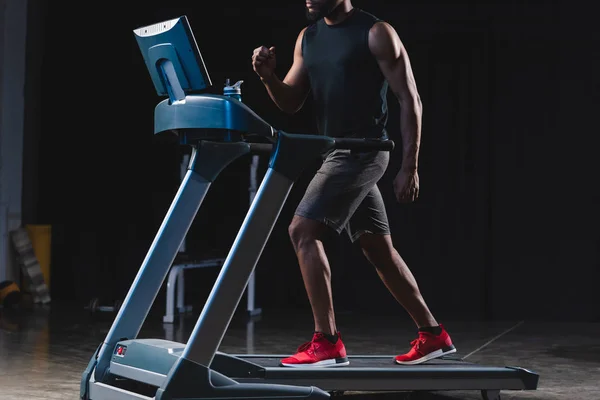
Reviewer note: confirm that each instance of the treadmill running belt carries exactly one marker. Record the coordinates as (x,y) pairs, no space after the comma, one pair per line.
(368,362)
(379,373)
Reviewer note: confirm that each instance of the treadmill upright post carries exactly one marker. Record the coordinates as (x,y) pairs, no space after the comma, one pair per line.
(290,156)
(207,161)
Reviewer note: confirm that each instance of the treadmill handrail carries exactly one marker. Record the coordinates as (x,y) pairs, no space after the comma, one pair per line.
(365,144)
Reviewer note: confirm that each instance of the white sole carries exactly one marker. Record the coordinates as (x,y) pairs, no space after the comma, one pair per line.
(430,356)
(319,364)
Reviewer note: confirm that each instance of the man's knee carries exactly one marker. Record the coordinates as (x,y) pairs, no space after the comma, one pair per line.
(303,230)
(376,247)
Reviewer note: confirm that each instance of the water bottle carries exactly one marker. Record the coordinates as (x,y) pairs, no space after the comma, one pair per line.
(234,90)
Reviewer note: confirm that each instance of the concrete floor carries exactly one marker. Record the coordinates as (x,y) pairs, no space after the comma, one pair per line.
(44,351)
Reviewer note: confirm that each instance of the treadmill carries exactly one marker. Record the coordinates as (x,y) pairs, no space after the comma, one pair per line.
(220,129)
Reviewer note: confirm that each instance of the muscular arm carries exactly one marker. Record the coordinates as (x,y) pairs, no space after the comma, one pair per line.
(388,50)
(290,94)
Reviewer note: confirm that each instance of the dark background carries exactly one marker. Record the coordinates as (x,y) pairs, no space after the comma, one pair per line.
(507,223)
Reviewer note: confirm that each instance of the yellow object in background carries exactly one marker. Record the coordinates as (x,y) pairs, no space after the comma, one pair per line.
(41,240)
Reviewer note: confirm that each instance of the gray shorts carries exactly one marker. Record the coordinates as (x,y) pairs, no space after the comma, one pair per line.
(344,195)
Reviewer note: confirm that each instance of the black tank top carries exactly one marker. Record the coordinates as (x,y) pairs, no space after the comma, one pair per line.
(348,88)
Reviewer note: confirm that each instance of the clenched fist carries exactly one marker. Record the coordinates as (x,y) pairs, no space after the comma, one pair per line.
(263,61)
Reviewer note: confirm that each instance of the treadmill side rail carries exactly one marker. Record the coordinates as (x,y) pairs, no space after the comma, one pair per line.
(233,366)
(410,378)
(530,378)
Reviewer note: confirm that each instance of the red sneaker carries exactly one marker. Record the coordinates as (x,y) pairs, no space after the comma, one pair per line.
(319,352)
(427,347)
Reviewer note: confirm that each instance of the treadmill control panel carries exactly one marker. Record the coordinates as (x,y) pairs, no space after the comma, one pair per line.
(120,350)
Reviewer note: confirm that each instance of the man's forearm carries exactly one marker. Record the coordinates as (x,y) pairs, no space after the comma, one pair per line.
(410,126)
(284,96)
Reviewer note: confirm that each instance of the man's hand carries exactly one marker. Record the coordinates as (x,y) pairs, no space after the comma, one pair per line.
(264,61)
(406,185)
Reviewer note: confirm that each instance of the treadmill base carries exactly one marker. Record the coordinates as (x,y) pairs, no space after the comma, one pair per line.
(364,374)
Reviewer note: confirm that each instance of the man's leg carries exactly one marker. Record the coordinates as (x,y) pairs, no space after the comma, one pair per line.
(326,348)
(369,226)
(306,235)
(331,198)
(396,276)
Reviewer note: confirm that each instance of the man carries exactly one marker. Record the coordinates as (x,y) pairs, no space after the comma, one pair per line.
(348,58)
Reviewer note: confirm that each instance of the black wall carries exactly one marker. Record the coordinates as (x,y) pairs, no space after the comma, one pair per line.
(506,226)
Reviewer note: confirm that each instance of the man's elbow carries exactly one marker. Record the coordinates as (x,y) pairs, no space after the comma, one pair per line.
(294,107)
(289,110)
(288,107)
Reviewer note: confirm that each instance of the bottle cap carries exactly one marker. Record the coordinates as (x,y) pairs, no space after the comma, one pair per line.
(232,89)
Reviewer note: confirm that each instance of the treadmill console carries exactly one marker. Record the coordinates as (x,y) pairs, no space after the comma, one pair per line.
(211,117)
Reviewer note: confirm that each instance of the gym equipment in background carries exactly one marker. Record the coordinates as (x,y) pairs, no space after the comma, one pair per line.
(10,294)
(94,306)
(30,265)
(175,296)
